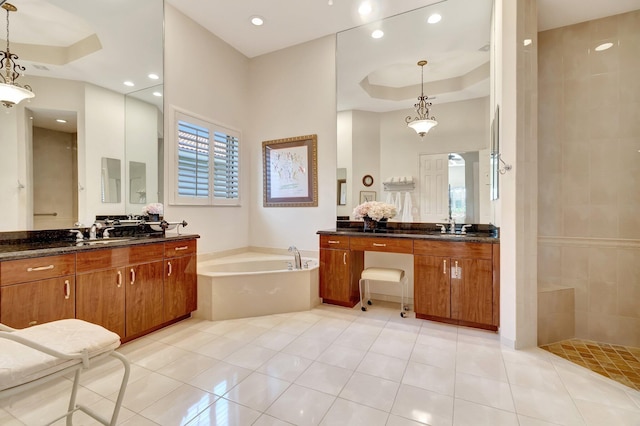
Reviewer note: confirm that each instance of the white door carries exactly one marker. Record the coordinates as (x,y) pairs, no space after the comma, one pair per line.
(434,187)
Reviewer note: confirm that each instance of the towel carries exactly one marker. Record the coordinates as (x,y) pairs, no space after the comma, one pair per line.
(398,204)
(389,199)
(408,207)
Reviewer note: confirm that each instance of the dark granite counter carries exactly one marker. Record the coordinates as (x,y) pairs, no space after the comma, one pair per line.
(477,233)
(24,248)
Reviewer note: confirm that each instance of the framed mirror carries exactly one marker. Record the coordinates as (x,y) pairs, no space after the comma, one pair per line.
(110,180)
(378,84)
(137,182)
(76,61)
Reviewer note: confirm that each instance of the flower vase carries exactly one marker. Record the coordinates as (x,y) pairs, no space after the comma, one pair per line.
(370,225)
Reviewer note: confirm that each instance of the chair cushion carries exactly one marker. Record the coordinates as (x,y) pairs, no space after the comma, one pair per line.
(21,364)
(383,274)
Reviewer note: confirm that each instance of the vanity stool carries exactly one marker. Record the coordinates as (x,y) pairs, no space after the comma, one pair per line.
(392,275)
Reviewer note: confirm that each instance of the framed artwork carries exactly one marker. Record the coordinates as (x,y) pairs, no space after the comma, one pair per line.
(367,196)
(290,172)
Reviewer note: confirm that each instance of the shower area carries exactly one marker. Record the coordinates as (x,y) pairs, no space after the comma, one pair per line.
(589,194)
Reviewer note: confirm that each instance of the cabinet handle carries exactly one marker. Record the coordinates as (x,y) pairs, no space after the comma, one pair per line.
(170,269)
(133,276)
(333,242)
(40,268)
(444,266)
(379,245)
(67,289)
(181,248)
(119,279)
(32,323)
(344,258)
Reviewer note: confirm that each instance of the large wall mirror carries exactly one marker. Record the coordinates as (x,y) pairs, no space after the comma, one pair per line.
(96,69)
(445,173)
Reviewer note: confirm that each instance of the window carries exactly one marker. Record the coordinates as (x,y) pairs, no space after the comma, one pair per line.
(207,163)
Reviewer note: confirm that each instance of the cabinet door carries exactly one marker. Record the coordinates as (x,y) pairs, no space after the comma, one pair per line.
(37,302)
(143,295)
(334,277)
(432,290)
(180,287)
(472,291)
(100,298)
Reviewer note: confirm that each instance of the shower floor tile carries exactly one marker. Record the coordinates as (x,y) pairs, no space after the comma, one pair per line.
(619,363)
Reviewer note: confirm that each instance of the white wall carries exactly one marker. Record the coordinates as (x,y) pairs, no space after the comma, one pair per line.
(293,94)
(207,77)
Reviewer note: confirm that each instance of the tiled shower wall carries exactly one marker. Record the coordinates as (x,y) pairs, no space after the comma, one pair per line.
(589,173)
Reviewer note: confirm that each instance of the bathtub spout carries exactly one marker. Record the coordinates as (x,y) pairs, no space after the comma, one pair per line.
(296,256)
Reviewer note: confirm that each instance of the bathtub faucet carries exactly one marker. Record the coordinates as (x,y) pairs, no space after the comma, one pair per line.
(296,256)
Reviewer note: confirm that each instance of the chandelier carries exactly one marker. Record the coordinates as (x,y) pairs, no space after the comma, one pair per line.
(11,93)
(422,123)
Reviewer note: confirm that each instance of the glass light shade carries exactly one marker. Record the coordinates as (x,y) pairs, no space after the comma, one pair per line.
(11,94)
(422,127)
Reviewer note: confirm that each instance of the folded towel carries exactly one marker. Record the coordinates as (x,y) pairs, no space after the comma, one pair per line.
(407,215)
(398,204)
(389,199)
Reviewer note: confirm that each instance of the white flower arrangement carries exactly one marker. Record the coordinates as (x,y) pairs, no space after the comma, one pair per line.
(376,210)
(153,208)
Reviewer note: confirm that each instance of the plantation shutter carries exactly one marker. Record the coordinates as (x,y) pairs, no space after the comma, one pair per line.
(193,160)
(225,166)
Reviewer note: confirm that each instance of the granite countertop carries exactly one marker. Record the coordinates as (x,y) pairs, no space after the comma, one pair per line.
(24,249)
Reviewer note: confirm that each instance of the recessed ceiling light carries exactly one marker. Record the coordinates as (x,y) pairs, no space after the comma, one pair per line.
(129,83)
(153,76)
(377,34)
(158,94)
(603,46)
(434,19)
(60,120)
(365,8)
(526,41)
(257,21)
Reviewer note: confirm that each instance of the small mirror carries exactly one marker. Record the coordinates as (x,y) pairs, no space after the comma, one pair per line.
(137,182)
(111,178)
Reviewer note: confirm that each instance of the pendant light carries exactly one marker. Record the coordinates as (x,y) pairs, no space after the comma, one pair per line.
(422,123)
(11,93)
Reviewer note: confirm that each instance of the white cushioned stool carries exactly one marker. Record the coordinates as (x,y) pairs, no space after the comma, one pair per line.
(384,274)
(38,354)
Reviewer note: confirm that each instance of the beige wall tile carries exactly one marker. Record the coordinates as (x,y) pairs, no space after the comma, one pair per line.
(604,28)
(603,297)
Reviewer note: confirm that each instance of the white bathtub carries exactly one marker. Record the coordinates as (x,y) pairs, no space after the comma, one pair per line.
(254,284)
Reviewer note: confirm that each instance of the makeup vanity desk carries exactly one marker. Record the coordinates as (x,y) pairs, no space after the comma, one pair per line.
(456,277)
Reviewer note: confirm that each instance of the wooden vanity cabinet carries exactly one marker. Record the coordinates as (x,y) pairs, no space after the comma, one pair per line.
(43,288)
(455,282)
(340,271)
(180,279)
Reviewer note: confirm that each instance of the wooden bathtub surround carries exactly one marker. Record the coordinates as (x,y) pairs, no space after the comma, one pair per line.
(455,281)
(130,290)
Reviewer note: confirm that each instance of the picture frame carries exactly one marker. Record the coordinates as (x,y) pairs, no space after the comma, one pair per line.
(290,172)
(367,196)
(342,192)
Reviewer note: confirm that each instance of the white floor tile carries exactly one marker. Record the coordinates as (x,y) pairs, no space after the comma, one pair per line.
(285,366)
(390,346)
(596,414)
(250,356)
(489,392)
(187,367)
(433,355)
(274,339)
(306,347)
(342,356)
(324,378)
(428,377)
(301,406)
(557,407)
(383,366)
(179,406)
(266,420)
(467,413)
(138,420)
(258,391)
(344,412)
(354,338)
(221,347)
(220,378)
(423,406)
(144,392)
(225,413)
(535,377)
(401,421)
(480,361)
(370,391)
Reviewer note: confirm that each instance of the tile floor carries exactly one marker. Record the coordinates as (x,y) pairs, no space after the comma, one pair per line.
(337,366)
(620,363)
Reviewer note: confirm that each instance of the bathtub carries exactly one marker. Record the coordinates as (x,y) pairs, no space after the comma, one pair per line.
(255,284)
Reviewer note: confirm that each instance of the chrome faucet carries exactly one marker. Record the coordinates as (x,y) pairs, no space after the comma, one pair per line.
(93,231)
(296,256)
(452,229)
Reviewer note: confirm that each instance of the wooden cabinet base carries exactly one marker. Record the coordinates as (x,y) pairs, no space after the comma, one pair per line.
(155,328)
(456,322)
(349,304)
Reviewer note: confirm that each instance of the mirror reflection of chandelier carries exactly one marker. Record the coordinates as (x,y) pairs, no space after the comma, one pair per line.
(11,93)
(422,123)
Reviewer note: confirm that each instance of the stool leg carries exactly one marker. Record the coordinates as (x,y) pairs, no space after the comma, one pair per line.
(368,294)
(361,299)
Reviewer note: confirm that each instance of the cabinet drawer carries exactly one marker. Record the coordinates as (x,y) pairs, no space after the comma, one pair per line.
(96,260)
(180,248)
(393,245)
(453,249)
(334,242)
(38,268)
